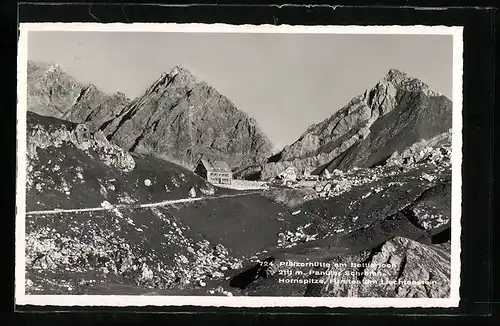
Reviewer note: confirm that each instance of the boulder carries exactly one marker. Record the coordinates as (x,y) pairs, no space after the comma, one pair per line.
(208,190)
(325,175)
(290,174)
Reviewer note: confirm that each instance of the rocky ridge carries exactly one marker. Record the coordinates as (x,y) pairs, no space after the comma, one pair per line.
(436,150)
(179,117)
(40,138)
(108,247)
(52,91)
(397,112)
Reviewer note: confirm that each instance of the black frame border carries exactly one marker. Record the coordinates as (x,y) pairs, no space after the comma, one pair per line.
(478,140)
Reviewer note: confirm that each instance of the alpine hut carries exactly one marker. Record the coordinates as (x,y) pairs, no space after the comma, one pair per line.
(215,172)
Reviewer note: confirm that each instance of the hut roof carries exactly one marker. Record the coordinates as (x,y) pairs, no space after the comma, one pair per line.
(215,166)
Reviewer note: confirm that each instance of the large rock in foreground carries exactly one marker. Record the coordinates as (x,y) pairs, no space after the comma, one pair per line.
(400,268)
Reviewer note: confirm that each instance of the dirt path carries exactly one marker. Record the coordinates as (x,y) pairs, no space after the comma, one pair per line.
(162,203)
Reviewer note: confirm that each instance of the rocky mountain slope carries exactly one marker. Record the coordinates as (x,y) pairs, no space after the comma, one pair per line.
(397,112)
(181,118)
(54,92)
(178,118)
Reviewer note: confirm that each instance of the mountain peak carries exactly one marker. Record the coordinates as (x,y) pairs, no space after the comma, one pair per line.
(181,117)
(401,79)
(53,68)
(396,76)
(180,69)
(122,95)
(45,67)
(179,75)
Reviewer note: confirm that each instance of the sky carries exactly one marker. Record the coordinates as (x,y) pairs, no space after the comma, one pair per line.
(287,82)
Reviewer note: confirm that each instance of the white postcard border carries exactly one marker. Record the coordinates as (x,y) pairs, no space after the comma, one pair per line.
(215,301)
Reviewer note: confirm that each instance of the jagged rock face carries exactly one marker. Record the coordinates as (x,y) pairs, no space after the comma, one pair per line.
(180,118)
(41,136)
(53,92)
(397,112)
(95,109)
(435,150)
(249,173)
(400,268)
